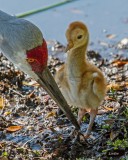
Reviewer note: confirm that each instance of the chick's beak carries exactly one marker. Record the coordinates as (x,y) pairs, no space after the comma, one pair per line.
(47,81)
(69,46)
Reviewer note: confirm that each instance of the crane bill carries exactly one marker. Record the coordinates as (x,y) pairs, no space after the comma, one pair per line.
(47,81)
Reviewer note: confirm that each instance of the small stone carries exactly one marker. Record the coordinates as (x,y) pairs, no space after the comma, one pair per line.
(123,44)
(114,70)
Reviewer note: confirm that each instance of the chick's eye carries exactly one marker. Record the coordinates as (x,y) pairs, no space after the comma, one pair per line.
(79,37)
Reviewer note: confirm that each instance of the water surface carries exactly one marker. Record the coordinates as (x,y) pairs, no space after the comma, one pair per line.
(102,18)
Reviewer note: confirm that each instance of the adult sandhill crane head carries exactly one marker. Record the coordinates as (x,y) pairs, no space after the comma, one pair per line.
(23,44)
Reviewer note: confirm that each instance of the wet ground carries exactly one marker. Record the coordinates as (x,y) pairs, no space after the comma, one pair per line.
(31,129)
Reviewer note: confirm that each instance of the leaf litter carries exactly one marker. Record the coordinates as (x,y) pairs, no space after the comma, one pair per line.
(31,127)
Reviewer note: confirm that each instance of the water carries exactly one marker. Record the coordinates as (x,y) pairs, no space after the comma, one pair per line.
(101,17)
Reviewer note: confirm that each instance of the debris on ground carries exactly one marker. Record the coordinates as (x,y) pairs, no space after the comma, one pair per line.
(32,129)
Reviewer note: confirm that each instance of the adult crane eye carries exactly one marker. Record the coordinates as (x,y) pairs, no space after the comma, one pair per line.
(79,37)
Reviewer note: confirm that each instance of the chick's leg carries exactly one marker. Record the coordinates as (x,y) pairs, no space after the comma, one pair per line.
(93,113)
(81,114)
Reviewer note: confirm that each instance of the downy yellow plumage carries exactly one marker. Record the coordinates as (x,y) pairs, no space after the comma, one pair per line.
(82,83)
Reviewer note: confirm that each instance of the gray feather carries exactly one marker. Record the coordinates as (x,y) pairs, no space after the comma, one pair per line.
(16,37)
(19,34)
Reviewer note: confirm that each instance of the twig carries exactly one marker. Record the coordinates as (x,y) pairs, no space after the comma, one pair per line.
(17,92)
(42,9)
(29,140)
(32,138)
(1,83)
